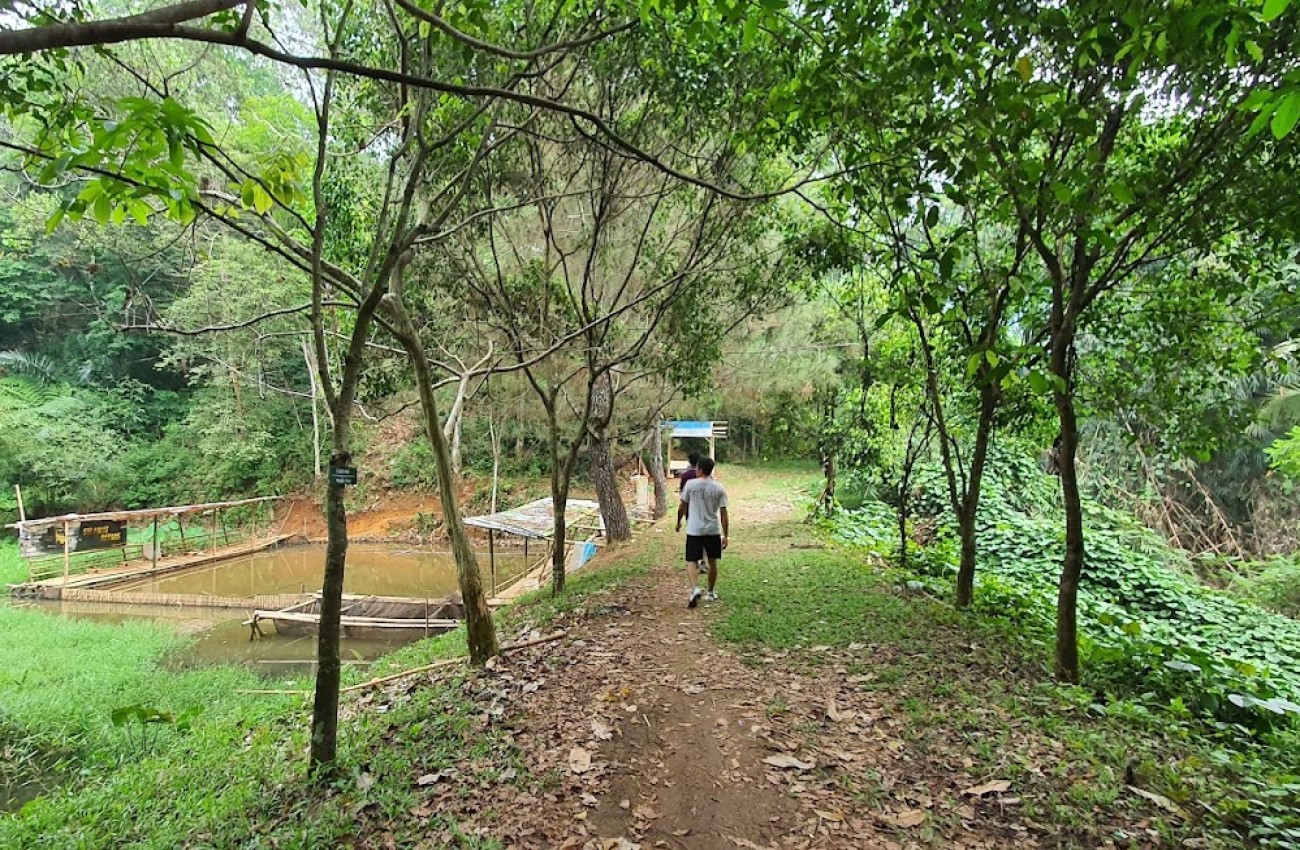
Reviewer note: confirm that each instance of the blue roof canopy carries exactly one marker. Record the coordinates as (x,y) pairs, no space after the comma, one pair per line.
(691,428)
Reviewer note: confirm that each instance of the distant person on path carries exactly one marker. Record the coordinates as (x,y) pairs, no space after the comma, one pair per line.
(704,507)
(691,472)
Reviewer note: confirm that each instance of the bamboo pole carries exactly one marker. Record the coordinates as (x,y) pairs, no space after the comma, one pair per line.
(143,513)
(445,662)
(492,559)
(154,565)
(67,550)
(22,514)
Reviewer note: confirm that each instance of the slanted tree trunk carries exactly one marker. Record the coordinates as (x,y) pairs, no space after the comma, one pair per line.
(480,631)
(656,466)
(455,447)
(315,412)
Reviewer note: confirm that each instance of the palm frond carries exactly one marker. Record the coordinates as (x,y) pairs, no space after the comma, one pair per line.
(36,367)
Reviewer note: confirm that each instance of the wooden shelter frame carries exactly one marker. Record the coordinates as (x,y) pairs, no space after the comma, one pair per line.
(691,429)
(30,527)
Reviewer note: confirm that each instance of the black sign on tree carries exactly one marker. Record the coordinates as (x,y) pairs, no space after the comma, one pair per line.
(343,475)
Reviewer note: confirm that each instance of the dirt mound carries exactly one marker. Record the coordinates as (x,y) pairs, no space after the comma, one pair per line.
(396,517)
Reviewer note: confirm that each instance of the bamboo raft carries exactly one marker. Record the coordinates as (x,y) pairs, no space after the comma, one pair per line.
(366,617)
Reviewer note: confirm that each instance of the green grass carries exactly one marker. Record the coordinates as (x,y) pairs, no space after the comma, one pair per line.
(793,598)
(236,778)
(975,687)
(12,568)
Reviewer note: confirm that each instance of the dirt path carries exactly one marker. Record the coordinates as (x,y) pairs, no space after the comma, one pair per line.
(647,732)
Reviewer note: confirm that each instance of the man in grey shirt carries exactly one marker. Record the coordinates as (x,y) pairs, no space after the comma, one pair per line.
(704,507)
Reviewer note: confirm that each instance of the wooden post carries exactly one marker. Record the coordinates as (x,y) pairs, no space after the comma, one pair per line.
(180,524)
(67,550)
(492,559)
(22,514)
(154,557)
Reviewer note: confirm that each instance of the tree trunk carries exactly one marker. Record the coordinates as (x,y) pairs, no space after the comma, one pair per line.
(968,516)
(1067,637)
(495,439)
(455,447)
(657,470)
(828,494)
(559,501)
(325,705)
(315,412)
(617,525)
(902,527)
(559,498)
(480,631)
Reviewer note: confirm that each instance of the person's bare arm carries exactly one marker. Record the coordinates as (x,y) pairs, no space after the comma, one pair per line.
(722,515)
(683,511)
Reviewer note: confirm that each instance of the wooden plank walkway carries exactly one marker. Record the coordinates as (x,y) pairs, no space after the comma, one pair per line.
(527,583)
(53,588)
(183,600)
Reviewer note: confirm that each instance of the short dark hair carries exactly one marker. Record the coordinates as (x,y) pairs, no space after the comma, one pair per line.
(706,466)
(693,458)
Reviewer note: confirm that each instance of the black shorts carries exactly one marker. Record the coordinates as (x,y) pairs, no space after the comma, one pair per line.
(699,545)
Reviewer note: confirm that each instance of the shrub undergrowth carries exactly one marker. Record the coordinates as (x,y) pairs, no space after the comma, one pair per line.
(1150,634)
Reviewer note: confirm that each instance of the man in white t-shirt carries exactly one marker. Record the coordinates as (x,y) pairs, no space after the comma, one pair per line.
(704,507)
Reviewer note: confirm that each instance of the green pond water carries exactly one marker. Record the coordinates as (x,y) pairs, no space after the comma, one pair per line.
(219,633)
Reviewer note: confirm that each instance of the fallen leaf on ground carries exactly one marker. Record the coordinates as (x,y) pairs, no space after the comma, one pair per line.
(692,690)
(645,812)
(789,762)
(619,844)
(833,710)
(429,778)
(681,833)
(590,799)
(600,731)
(835,816)
(365,781)
(744,842)
(1160,800)
(579,760)
(996,786)
(909,818)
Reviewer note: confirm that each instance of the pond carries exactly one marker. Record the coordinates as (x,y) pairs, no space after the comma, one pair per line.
(220,634)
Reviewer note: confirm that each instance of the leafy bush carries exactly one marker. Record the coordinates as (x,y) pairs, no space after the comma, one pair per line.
(1150,635)
(1147,627)
(412,467)
(1273,584)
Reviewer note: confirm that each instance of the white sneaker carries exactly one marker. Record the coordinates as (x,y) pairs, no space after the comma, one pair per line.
(694,599)
(710,596)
